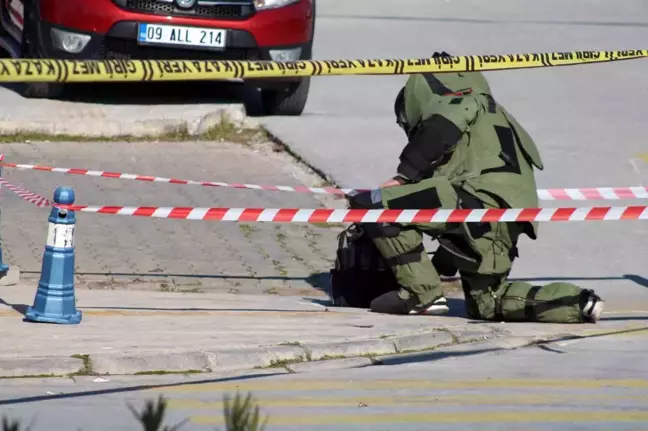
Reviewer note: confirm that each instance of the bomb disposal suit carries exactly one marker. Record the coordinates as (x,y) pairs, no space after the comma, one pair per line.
(464,151)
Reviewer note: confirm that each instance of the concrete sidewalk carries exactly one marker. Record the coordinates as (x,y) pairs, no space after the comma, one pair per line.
(129,332)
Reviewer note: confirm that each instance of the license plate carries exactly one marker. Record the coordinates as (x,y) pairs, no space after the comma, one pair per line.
(177,35)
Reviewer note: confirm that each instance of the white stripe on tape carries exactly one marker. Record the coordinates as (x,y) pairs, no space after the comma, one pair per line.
(197,213)
(232,214)
(608,193)
(639,192)
(268,214)
(511,214)
(303,215)
(614,214)
(580,214)
(575,194)
(162,212)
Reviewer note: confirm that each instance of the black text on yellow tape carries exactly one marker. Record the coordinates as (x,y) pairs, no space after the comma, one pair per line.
(37,70)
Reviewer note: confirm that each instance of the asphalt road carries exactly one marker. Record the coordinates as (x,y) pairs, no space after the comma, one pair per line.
(595,383)
(588,121)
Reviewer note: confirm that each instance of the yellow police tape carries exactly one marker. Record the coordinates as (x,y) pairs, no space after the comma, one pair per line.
(50,70)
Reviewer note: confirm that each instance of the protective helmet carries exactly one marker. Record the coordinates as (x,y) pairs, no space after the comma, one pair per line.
(413,98)
(399,103)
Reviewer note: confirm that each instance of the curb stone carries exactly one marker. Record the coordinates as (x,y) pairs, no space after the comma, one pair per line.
(333,364)
(213,360)
(11,277)
(109,128)
(299,358)
(45,366)
(347,349)
(423,341)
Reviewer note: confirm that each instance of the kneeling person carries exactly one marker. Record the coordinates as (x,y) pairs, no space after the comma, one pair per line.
(466,151)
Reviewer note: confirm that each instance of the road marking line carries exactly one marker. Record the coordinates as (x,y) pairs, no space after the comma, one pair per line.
(588,416)
(289,384)
(642,156)
(428,400)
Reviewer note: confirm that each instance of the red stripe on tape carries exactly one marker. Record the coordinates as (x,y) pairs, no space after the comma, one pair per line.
(179,212)
(175,181)
(322,215)
(250,214)
(598,213)
(591,194)
(631,213)
(215,213)
(78,171)
(111,174)
(383,218)
(285,214)
(144,211)
(562,214)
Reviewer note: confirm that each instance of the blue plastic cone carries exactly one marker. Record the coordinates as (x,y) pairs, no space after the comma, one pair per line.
(55,301)
(3,267)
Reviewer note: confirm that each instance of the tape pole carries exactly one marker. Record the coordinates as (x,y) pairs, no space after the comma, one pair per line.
(55,70)
(578,194)
(296,215)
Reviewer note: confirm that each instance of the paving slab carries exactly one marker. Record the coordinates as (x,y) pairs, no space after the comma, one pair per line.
(165,254)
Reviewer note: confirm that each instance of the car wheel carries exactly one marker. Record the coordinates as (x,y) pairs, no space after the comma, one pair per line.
(31,49)
(42,90)
(288,101)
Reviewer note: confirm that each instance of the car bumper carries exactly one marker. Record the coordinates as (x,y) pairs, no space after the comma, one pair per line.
(114,34)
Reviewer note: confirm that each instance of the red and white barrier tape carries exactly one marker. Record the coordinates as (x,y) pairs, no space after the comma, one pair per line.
(578,194)
(295,215)
(34,198)
(123,176)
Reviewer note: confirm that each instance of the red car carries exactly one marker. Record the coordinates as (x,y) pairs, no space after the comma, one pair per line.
(277,30)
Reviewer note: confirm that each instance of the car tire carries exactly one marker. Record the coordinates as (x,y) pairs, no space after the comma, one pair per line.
(42,90)
(290,101)
(31,49)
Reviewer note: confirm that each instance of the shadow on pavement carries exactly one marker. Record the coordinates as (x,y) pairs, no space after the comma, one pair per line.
(39,398)
(152,93)
(279,310)
(411,358)
(19,308)
(157,93)
(317,280)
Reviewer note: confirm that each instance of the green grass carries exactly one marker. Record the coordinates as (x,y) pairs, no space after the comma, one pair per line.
(225,131)
(86,370)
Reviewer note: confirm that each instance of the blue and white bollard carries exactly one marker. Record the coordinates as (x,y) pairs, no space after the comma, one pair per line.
(55,301)
(4,269)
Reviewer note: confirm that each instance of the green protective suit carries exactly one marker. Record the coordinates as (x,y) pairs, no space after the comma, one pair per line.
(483,159)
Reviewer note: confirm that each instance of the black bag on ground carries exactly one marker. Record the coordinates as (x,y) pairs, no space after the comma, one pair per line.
(361,273)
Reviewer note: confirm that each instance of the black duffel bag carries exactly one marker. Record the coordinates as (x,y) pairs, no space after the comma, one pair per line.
(361,274)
